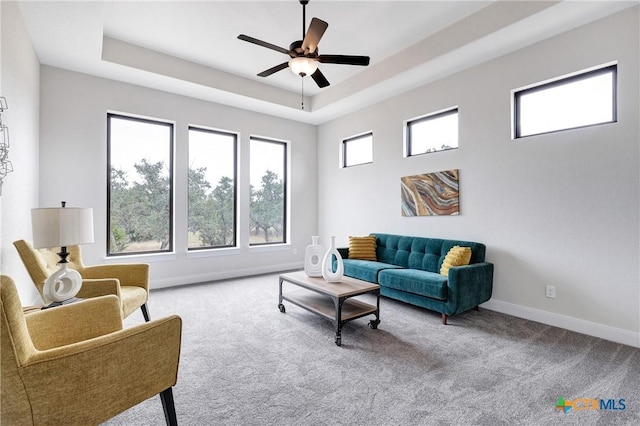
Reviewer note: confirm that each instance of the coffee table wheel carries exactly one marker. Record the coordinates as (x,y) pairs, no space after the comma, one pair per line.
(281,307)
(339,341)
(373,324)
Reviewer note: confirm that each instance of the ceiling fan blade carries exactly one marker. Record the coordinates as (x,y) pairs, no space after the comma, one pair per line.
(273,70)
(265,44)
(314,34)
(320,79)
(344,59)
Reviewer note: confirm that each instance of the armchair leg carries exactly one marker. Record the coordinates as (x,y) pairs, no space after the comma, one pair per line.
(444,319)
(166,396)
(145,312)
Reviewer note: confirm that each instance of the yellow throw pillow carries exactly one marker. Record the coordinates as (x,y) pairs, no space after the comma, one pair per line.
(363,248)
(457,256)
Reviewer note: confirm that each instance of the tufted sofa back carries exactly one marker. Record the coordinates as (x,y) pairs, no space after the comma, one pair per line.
(422,253)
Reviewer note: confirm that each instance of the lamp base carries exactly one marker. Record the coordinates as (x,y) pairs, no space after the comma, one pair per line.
(64,302)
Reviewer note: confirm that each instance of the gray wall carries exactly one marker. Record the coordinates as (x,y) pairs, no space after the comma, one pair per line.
(19,83)
(73,168)
(559,209)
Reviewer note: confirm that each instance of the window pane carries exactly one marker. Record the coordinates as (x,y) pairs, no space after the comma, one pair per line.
(268,191)
(433,133)
(140,185)
(570,103)
(358,150)
(212,189)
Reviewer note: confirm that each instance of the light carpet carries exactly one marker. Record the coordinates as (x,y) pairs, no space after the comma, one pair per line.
(244,362)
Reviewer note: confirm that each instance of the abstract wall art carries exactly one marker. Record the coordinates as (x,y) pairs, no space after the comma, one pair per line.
(431,194)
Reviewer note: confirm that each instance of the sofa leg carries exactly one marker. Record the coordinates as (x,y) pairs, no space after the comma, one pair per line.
(145,312)
(477,308)
(166,396)
(444,319)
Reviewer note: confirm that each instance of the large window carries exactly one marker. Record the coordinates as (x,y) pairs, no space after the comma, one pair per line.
(140,185)
(357,150)
(585,99)
(431,133)
(212,188)
(268,178)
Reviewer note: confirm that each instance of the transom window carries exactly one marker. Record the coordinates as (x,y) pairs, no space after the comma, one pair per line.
(431,133)
(584,99)
(357,150)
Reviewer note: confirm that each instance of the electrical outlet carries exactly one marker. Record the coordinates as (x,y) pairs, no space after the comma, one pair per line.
(550,291)
(295,251)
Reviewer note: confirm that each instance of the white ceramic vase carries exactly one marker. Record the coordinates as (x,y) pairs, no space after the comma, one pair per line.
(327,264)
(313,258)
(63,284)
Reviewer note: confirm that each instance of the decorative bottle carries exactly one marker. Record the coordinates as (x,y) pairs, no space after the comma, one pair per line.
(313,258)
(327,264)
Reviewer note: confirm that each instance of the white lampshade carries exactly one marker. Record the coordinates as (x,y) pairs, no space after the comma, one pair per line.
(61,226)
(303,66)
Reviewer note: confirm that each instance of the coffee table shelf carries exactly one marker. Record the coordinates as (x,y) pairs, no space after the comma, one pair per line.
(351,308)
(333,301)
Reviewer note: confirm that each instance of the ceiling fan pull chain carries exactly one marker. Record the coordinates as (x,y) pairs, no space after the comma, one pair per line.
(302,93)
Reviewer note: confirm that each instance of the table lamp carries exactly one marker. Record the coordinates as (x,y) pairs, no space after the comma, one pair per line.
(62,227)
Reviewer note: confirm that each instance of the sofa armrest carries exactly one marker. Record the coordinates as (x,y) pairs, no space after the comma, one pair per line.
(75,322)
(469,286)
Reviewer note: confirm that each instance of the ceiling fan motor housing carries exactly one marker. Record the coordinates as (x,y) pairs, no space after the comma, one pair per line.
(296,47)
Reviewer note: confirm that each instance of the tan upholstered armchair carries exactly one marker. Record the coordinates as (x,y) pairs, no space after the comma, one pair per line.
(76,365)
(130,282)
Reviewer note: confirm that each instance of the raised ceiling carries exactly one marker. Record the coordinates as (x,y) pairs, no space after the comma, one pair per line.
(191,47)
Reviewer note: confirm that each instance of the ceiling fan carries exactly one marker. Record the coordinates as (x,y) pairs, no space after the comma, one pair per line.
(304,53)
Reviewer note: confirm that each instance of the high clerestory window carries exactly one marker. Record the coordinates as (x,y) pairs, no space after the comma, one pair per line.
(140,185)
(357,150)
(583,99)
(433,132)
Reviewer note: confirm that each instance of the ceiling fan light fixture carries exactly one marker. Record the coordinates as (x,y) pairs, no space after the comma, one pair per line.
(303,66)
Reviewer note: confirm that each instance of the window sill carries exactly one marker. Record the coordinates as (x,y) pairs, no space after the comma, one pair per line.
(269,248)
(141,257)
(214,252)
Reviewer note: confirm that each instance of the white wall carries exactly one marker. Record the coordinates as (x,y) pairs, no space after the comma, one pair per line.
(559,209)
(73,168)
(20,77)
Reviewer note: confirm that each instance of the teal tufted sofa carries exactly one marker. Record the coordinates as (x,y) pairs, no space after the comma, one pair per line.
(408,269)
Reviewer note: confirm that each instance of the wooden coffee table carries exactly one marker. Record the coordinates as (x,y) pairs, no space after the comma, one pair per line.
(332,300)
